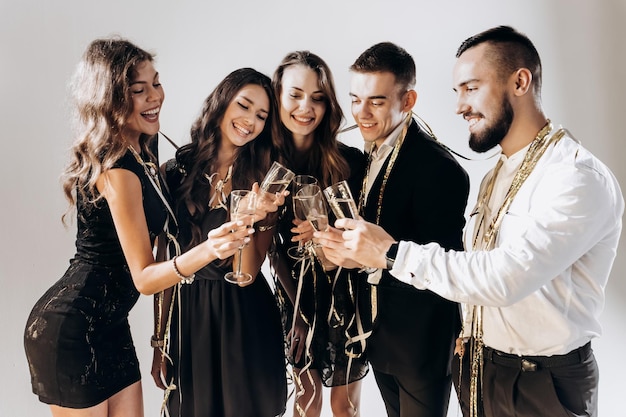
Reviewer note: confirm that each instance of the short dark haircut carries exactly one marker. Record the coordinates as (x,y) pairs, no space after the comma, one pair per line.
(509,50)
(388,57)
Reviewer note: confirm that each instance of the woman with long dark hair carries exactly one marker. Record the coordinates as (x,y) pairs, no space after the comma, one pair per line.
(225,338)
(305,139)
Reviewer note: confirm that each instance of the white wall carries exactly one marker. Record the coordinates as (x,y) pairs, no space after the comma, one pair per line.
(581,43)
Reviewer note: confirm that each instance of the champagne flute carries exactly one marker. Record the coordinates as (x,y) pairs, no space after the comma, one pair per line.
(242,207)
(298,182)
(340,200)
(315,207)
(276,180)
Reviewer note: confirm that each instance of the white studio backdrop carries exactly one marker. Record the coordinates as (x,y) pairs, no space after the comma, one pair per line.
(198,42)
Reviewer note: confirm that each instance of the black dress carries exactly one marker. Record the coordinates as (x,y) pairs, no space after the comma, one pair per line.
(77,338)
(327,301)
(226,340)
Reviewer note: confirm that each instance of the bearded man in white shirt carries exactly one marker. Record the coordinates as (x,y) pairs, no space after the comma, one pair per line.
(539,246)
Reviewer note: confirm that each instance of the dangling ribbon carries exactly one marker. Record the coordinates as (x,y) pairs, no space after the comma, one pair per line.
(221,197)
(306,263)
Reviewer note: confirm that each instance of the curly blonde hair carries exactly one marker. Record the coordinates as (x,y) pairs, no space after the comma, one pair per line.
(102,102)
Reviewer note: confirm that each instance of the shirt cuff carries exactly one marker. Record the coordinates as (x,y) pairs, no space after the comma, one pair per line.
(409,266)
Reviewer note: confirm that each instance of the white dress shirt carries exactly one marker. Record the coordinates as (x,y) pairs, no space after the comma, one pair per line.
(542,286)
(379,155)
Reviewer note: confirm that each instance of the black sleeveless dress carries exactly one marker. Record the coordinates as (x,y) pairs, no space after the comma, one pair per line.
(327,301)
(226,340)
(77,338)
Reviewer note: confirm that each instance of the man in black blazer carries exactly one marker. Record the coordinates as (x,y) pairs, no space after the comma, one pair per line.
(416,191)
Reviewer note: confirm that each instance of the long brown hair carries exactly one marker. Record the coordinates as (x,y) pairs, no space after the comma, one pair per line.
(102,103)
(199,157)
(324,160)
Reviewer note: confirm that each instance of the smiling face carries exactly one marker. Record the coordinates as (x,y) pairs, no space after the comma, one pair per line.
(482,99)
(147,95)
(245,116)
(378,104)
(302,102)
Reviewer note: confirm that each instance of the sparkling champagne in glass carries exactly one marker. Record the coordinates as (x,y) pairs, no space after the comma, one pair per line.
(340,200)
(276,180)
(298,182)
(242,208)
(315,207)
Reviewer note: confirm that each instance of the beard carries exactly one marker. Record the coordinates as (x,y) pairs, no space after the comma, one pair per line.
(493,135)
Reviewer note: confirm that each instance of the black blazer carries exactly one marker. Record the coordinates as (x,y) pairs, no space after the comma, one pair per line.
(424,201)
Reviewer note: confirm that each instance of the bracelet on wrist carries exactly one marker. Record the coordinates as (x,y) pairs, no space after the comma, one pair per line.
(183,279)
(264,228)
(156,342)
(368,269)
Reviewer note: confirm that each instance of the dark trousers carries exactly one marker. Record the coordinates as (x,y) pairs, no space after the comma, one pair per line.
(549,386)
(414,397)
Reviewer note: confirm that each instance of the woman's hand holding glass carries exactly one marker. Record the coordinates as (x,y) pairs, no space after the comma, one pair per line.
(272,192)
(267,205)
(224,241)
(303,235)
(303,231)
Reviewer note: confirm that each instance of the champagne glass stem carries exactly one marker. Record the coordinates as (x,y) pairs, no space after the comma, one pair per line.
(240,260)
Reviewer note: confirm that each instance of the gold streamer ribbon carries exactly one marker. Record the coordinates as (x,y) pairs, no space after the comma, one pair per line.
(487,242)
